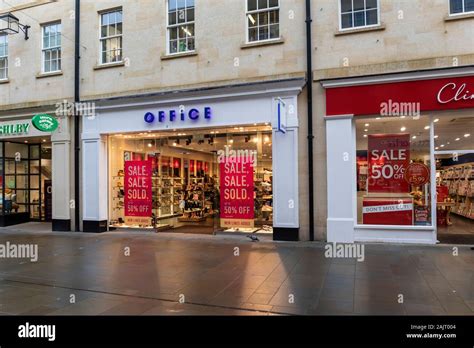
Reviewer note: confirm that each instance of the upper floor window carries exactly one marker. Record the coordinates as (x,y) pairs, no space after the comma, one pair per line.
(359,13)
(111,36)
(461,6)
(3,57)
(181,26)
(51,47)
(263,20)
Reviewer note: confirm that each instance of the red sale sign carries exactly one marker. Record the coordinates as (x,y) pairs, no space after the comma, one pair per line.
(388,211)
(236,182)
(138,189)
(388,157)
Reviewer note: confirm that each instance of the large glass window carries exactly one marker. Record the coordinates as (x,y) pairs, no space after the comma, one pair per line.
(393,171)
(263,20)
(359,13)
(111,36)
(461,6)
(196,181)
(181,15)
(3,57)
(51,47)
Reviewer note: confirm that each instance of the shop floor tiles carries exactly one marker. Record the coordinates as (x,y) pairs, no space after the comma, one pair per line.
(227,275)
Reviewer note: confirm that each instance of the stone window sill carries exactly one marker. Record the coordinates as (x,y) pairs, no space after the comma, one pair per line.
(262,43)
(179,55)
(459,17)
(4,81)
(360,30)
(109,66)
(44,75)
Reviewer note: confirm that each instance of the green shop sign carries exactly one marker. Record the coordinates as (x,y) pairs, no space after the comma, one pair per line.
(45,123)
(14,129)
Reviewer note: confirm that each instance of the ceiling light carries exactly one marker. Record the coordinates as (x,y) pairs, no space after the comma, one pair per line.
(414,137)
(365,135)
(366,130)
(467,135)
(427,127)
(442,145)
(367,125)
(436,120)
(436,148)
(457,139)
(403,129)
(252,19)
(436,136)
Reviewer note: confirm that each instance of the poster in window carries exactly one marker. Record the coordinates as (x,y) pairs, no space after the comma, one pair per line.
(138,192)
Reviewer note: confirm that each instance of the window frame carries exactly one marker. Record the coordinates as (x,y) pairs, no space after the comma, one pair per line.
(177,25)
(358,27)
(268,9)
(101,39)
(6,58)
(44,50)
(464,12)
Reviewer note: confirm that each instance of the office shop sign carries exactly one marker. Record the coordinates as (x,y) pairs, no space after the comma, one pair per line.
(178,116)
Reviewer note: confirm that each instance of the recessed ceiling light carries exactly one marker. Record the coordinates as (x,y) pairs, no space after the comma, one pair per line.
(442,145)
(365,135)
(366,130)
(427,127)
(467,135)
(436,136)
(436,148)
(367,125)
(403,129)
(414,137)
(436,120)
(457,139)
(402,116)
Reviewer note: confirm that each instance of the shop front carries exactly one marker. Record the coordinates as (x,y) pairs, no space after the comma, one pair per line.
(27,167)
(195,162)
(400,158)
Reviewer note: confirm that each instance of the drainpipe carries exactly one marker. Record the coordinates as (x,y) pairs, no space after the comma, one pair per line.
(309,86)
(77,98)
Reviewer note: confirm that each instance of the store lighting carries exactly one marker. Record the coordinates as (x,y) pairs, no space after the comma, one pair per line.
(365,135)
(436,148)
(467,135)
(442,145)
(231,141)
(367,125)
(255,140)
(427,127)
(185,29)
(436,120)
(414,137)
(402,116)
(150,145)
(252,19)
(403,129)
(378,118)
(267,139)
(457,139)
(436,136)
(174,144)
(9,24)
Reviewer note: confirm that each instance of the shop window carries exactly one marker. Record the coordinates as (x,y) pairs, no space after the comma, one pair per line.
(461,6)
(111,36)
(3,57)
(359,13)
(181,15)
(194,181)
(454,149)
(263,20)
(51,47)
(393,171)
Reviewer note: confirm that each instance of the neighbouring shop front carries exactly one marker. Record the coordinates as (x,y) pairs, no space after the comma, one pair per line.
(195,162)
(26,170)
(400,152)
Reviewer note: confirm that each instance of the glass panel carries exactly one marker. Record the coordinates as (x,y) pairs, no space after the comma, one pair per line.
(263,18)
(263,33)
(454,133)
(34,182)
(273,3)
(469,5)
(22,167)
(34,167)
(393,171)
(359,5)
(347,21)
(456,6)
(274,17)
(171,5)
(172,18)
(252,5)
(22,182)
(346,6)
(253,34)
(190,15)
(359,19)
(252,21)
(274,31)
(372,17)
(371,4)
(262,4)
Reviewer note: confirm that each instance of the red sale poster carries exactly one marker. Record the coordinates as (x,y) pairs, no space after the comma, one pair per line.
(389,157)
(236,182)
(138,191)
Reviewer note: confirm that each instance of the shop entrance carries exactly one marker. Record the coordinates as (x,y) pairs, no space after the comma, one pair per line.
(204,181)
(25,175)
(454,153)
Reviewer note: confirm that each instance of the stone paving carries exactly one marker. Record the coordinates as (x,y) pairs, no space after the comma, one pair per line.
(266,278)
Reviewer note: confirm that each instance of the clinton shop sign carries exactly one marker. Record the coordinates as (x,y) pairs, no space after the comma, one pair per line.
(181,115)
(438,94)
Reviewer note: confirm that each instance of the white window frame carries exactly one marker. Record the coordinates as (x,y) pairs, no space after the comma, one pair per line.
(5,57)
(268,9)
(177,25)
(464,12)
(101,39)
(51,48)
(359,27)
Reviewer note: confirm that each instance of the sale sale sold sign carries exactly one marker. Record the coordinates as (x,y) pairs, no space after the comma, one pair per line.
(138,192)
(236,182)
(389,158)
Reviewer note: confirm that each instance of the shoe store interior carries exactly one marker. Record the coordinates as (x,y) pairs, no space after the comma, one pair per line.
(185,179)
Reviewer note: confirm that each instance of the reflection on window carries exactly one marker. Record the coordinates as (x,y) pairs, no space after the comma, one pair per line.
(263,20)
(359,13)
(111,37)
(180,26)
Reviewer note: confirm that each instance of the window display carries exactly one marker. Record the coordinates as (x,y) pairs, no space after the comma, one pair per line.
(393,171)
(199,181)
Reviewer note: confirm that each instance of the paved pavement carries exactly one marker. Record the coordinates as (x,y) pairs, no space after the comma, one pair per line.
(215,275)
